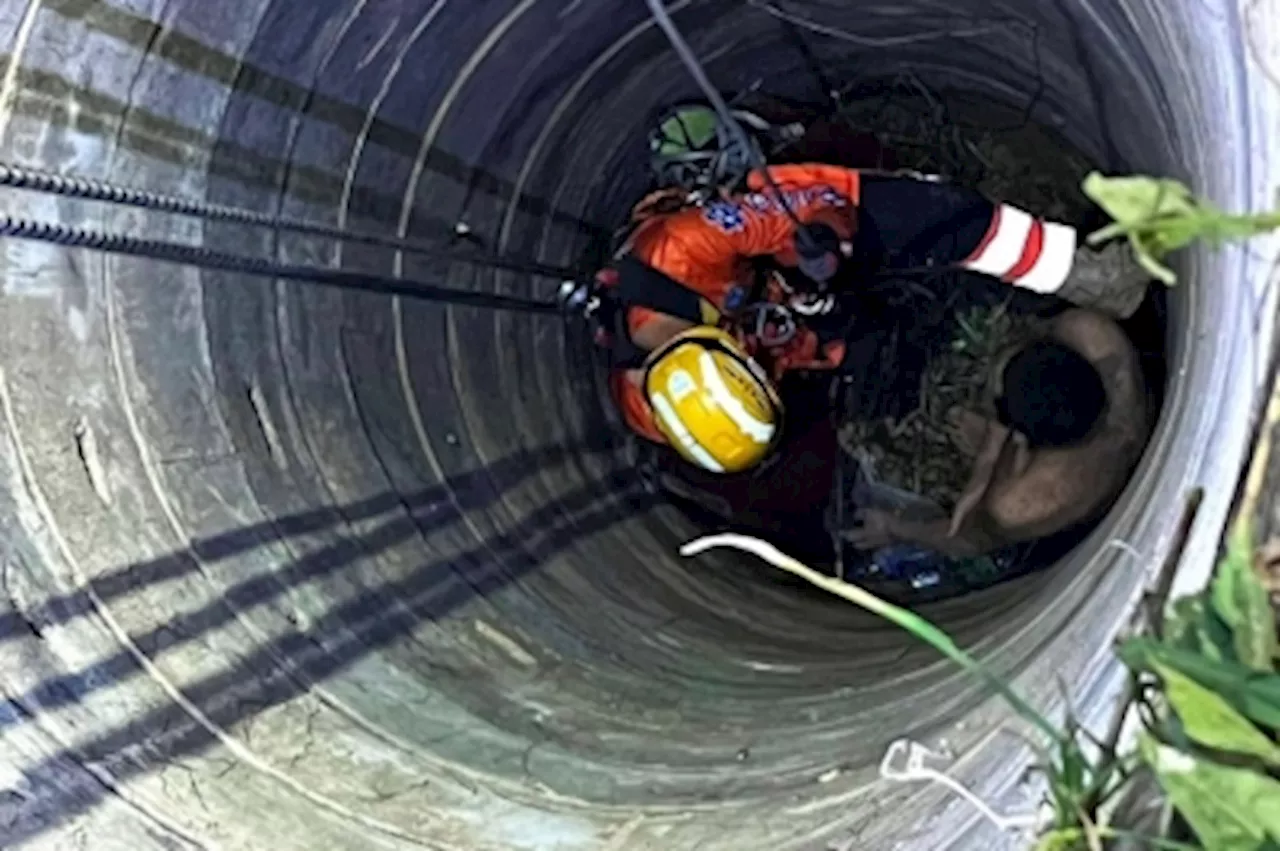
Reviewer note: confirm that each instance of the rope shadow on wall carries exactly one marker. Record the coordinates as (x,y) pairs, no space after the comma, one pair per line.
(470,491)
(58,102)
(58,788)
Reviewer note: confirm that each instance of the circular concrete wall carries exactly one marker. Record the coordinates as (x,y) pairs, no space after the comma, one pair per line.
(293,569)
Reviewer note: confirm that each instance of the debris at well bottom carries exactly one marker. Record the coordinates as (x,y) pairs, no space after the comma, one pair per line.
(928,342)
(916,452)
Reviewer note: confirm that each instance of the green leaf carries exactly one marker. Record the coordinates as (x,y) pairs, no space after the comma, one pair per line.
(1242,602)
(1160,216)
(1224,226)
(1062,840)
(1169,234)
(1255,695)
(1108,233)
(1072,764)
(1075,839)
(1210,721)
(1230,809)
(1137,200)
(1154,267)
(1192,624)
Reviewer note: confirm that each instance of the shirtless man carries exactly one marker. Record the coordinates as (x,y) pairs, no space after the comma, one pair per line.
(1070,421)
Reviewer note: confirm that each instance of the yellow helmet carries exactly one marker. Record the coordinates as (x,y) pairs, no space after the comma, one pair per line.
(714,404)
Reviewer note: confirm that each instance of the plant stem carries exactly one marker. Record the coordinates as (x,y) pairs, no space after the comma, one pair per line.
(1147,841)
(911,622)
(1154,604)
(1077,834)
(1269,221)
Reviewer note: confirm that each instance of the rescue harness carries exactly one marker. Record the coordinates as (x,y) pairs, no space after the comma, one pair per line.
(605,301)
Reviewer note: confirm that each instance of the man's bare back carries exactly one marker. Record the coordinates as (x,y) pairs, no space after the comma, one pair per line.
(1019,493)
(1038,492)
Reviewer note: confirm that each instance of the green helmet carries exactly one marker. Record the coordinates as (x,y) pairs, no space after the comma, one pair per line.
(693,149)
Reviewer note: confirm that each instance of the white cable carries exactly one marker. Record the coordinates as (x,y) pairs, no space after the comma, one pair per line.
(915,769)
(867,41)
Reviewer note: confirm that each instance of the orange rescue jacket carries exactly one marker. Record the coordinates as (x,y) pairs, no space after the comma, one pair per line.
(707,248)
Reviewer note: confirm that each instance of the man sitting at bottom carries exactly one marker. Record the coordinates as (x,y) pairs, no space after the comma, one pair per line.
(1067,423)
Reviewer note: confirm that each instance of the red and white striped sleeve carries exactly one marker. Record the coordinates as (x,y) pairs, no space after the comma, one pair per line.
(1024,251)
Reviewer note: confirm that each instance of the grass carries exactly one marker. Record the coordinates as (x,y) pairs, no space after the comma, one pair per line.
(915,452)
(1200,707)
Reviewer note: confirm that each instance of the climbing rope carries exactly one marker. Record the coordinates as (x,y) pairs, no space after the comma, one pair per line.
(717,101)
(16,177)
(205,258)
(93,190)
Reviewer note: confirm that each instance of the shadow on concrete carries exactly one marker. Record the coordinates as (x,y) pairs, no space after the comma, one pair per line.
(60,787)
(446,504)
(59,102)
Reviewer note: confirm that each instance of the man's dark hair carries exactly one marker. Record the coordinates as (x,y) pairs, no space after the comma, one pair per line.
(1051,394)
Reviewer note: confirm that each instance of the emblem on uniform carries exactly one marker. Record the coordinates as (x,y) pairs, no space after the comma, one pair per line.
(735,298)
(832,197)
(726,216)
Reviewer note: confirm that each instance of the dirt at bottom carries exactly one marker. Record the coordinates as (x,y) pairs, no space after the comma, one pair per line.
(928,345)
(916,452)
(950,332)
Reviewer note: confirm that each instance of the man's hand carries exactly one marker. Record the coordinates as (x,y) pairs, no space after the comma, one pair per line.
(882,529)
(968,430)
(876,531)
(1109,280)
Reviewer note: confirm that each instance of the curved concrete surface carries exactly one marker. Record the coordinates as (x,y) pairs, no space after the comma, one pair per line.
(291,569)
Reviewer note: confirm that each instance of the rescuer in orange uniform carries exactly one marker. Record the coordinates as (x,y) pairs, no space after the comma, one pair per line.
(709,248)
(866,221)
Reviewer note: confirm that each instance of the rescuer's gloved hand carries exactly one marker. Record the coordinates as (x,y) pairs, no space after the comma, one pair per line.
(1108,279)
(820,251)
(818,265)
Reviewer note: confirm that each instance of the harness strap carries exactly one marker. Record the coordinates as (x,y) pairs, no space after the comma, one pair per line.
(637,284)
(641,285)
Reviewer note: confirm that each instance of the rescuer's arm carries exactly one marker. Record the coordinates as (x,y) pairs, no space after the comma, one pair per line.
(676,246)
(909,222)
